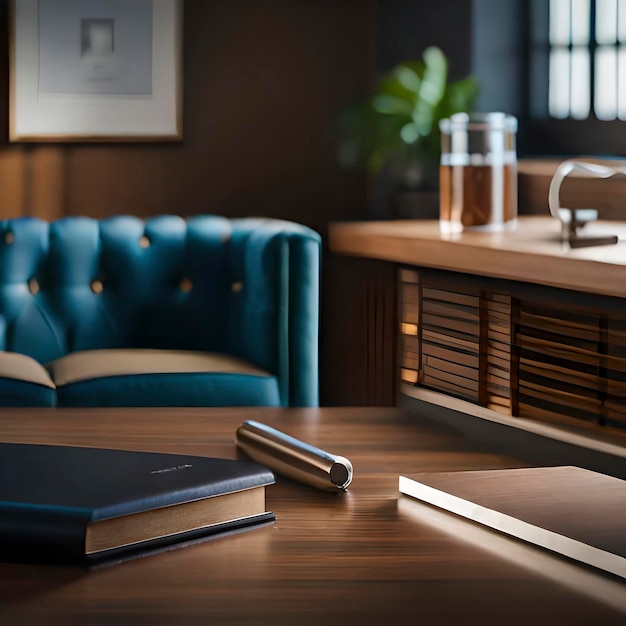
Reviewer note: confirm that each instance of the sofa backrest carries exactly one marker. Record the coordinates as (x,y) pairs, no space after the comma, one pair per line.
(240,286)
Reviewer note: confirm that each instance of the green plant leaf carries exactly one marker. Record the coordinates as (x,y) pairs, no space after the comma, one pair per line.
(435,76)
(460,96)
(409,133)
(409,78)
(391,105)
(417,67)
(392,86)
(432,89)
(398,124)
(386,140)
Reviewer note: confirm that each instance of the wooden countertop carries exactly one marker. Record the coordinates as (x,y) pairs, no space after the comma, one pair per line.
(367,556)
(530,252)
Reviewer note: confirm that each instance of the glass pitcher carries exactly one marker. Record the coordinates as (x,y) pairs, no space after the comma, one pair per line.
(478,172)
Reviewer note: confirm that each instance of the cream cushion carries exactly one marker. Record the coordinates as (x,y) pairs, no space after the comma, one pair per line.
(21,367)
(91,364)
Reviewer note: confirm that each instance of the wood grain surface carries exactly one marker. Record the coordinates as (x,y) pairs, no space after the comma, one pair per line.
(531,252)
(367,556)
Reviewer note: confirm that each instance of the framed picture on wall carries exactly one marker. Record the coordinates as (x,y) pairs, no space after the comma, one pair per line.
(95,70)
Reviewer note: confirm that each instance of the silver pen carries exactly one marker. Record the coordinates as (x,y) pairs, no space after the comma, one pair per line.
(294,458)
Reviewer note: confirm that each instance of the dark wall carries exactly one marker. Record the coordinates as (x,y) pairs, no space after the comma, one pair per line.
(263,80)
(499,54)
(405,27)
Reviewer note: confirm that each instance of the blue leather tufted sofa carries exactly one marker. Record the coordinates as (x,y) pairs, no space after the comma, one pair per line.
(206,311)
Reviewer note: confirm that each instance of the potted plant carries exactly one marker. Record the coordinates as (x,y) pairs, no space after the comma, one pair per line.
(394,134)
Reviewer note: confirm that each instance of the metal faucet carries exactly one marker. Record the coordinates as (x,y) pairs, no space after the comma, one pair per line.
(574,219)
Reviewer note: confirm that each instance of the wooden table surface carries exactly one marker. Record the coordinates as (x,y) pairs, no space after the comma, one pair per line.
(531,252)
(367,556)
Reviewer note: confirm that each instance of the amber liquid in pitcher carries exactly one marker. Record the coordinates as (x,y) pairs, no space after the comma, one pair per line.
(477,195)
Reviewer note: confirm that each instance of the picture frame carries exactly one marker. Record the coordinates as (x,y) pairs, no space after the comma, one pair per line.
(95,70)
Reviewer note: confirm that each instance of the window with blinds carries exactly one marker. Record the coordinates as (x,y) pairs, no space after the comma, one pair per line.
(587,59)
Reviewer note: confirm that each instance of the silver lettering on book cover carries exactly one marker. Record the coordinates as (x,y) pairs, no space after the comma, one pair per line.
(170,469)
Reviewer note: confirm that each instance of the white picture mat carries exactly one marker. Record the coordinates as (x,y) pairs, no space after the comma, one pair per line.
(96,46)
(37,115)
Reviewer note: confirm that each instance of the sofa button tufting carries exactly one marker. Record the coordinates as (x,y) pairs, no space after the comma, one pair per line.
(236,287)
(97,286)
(144,242)
(9,238)
(186,285)
(33,286)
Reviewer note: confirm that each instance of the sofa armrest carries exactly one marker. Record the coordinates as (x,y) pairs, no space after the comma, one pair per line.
(274,321)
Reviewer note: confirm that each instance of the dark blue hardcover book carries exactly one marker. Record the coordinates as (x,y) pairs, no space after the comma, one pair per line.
(65,504)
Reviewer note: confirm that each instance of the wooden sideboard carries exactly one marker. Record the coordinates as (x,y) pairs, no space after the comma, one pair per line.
(531,252)
(513,323)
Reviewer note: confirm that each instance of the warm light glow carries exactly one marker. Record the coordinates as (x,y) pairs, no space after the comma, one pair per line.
(409,376)
(409,329)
